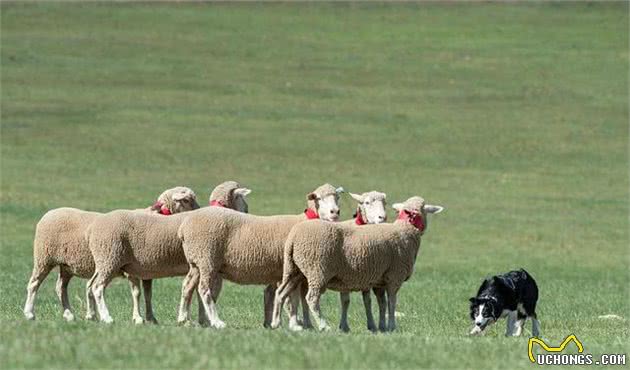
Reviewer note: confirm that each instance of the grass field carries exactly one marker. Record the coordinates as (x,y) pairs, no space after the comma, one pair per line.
(513,116)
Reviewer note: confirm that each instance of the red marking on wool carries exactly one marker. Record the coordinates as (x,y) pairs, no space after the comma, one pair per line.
(359,219)
(165,211)
(413,218)
(216,203)
(311,214)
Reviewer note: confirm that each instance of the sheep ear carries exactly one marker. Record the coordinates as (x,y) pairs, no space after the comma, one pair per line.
(429,208)
(384,196)
(398,206)
(311,196)
(340,190)
(356,197)
(242,192)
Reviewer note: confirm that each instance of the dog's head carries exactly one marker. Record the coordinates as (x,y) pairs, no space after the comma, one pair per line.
(484,311)
(487,307)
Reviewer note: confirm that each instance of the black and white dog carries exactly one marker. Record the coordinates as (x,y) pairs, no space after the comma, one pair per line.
(514,295)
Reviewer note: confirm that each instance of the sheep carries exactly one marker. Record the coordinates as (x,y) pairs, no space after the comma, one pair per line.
(228,194)
(145,246)
(59,242)
(370,210)
(244,249)
(349,258)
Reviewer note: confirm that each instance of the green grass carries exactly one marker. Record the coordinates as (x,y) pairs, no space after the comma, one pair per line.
(513,116)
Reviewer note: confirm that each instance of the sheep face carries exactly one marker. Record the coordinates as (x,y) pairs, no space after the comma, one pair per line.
(178,199)
(371,206)
(238,202)
(325,199)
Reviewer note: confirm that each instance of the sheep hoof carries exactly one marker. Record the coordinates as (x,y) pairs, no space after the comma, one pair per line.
(344,328)
(138,320)
(295,327)
(218,324)
(68,315)
(29,315)
(152,320)
(107,320)
(90,317)
(185,323)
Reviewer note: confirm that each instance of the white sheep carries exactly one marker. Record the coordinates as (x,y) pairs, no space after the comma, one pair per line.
(370,210)
(349,258)
(145,246)
(59,242)
(228,194)
(245,249)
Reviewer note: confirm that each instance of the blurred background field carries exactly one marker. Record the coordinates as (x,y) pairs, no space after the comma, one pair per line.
(512,116)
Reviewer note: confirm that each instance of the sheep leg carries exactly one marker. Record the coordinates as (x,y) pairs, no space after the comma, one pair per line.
(367,302)
(188,287)
(284,290)
(40,271)
(345,303)
(306,315)
(134,284)
(292,308)
(100,281)
(382,308)
(90,302)
(61,289)
(312,298)
(207,280)
(216,290)
(391,300)
(147,288)
(268,300)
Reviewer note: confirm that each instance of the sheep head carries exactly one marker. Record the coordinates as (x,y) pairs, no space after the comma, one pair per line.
(370,207)
(414,211)
(176,200)
(325,202)
(230,194)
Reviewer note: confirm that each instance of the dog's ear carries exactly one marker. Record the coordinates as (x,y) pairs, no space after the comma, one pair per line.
(473,300)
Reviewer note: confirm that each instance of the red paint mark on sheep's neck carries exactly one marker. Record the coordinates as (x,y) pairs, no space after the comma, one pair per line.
(311,214)
(413,218)
(216,203)
(359,218)
(163,209)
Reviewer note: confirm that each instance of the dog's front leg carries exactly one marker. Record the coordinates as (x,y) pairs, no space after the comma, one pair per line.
(511,323)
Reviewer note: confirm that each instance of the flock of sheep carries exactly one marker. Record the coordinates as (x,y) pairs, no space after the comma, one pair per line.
(296,257)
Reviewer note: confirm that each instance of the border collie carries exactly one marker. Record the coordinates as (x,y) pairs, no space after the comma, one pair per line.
(514,295)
